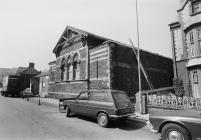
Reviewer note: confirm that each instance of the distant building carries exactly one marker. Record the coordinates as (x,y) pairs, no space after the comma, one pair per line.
(5,72)
(86,61)
(28,79)
(43,83)
(186,46)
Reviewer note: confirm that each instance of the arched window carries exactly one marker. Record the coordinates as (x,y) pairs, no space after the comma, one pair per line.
(63,69)
(69,68)
(76,69)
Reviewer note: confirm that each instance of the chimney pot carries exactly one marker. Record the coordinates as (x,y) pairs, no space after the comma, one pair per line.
(31,65)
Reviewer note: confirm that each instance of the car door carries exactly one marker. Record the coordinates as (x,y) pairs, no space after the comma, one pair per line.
(96,102)
(81,103)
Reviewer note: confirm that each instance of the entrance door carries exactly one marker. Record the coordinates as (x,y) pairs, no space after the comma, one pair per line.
(81,103)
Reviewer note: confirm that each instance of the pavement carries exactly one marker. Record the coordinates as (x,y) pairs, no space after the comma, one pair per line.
(26,120)
(143,118)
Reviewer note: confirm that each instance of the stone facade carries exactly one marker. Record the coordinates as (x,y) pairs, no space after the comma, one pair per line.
(86,61)
(186,46)
(43,83)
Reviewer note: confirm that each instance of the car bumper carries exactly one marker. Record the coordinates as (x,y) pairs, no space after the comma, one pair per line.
(120,116)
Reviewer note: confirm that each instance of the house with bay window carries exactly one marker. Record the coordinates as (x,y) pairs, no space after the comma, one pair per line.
(186,46)
(87,61)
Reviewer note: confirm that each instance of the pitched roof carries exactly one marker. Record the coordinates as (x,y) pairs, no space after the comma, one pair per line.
(81,32)
(20,70)
(105,40)
(27,71)
(43,74)
(30,71)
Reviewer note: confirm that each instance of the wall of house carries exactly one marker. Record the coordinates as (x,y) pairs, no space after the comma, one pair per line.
(124,69)
(183,74)
(43,89)
(190,24)
(99,67)
(124,75)
(70,85)
(186,16)
(177,41)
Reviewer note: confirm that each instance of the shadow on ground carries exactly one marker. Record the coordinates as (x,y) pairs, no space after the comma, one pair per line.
(128,125)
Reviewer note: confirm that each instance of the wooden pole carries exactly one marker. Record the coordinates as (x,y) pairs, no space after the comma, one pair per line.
(138,45)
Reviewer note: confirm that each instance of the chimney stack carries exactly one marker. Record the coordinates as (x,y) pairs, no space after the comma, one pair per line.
(31,65)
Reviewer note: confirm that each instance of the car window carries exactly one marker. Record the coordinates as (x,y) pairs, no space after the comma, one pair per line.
(121,98)
(83,96)
(100,96)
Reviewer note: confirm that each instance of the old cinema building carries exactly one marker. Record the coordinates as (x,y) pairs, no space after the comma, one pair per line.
(86,61)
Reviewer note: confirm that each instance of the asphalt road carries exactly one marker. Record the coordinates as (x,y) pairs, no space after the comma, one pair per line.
(23,120)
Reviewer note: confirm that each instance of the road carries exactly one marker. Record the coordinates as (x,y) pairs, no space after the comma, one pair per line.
(25,120)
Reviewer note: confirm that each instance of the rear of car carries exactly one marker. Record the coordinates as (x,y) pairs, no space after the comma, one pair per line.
(124,107)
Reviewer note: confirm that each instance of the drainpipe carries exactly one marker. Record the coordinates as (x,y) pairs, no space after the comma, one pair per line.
(87,66)
(30,83)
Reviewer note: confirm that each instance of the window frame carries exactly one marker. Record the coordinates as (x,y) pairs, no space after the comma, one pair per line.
(196,7)
(62,68)
(76,69)
(191,37)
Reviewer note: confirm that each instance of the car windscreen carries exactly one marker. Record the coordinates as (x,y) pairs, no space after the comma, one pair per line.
(121,99)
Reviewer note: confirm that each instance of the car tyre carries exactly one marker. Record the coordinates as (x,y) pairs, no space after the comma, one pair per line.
(172,131)
(68,111)
(103,119)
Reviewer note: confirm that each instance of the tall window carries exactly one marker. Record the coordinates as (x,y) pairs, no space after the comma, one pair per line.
(196,7)
(199,34)
(192,51)
(199,39)
(195,84)
(191,37)
(76,71)
(68,72)
(63,69)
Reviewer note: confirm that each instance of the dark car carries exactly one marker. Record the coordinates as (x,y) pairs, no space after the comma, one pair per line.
(177,124)
(104,105)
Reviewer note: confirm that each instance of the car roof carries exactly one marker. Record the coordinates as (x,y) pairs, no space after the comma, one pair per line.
(103,90)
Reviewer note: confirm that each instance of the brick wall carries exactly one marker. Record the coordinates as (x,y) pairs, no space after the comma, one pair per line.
(71,86)
(124,69)
(99,67)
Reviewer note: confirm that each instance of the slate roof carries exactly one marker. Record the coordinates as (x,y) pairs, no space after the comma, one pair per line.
(20,70)
(43,74)
(105,40)
(27,71)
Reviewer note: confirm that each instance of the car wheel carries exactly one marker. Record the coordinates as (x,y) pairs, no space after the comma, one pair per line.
(103,119)
(174,132)
(68,111)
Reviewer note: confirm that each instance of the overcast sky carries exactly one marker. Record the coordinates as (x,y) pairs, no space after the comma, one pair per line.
(30,29)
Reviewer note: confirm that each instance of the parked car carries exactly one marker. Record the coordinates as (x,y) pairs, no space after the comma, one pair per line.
(177,125)
(104,105)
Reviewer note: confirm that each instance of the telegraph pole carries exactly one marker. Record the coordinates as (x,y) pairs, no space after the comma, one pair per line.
(138,46)
(139,73)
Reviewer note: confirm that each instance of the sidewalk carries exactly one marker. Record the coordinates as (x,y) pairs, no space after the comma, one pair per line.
(143,118)
(45,101)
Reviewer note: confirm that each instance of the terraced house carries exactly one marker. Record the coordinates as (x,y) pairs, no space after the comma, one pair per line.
(87,61)
(186,46)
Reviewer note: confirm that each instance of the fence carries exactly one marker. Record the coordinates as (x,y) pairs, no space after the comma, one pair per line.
(165,98)
(173,102)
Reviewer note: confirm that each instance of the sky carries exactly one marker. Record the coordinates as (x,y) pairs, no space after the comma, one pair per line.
(30,29)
